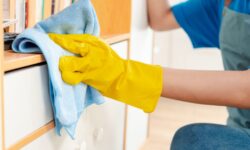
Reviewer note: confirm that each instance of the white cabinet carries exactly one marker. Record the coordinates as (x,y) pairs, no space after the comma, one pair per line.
(28,107)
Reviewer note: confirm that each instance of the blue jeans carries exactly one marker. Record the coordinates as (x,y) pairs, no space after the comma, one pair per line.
(210,137)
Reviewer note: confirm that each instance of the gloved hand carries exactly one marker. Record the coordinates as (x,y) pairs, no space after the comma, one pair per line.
(97,65)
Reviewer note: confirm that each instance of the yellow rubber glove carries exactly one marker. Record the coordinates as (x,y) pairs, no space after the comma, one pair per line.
(97,65)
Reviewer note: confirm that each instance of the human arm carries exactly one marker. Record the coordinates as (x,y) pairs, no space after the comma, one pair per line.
(97,65)
(196,17)
(140,84)
(226,88)
(160,15)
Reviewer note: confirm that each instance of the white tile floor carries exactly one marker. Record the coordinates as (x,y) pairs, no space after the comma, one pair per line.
(171,115)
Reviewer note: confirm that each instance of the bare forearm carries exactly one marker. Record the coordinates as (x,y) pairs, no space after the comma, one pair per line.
(160,15)
(227,88)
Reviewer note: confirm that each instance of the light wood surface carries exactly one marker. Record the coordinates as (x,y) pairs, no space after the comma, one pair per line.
(14,60)
(2,145)
(114,16)
(33,136)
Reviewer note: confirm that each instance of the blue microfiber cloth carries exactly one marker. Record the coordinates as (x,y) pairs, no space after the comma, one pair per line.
(68,102)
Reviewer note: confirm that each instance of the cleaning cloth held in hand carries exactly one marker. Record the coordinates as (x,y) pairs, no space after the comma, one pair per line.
(68,101)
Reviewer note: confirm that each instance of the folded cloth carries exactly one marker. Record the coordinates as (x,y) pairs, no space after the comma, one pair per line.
(68,102)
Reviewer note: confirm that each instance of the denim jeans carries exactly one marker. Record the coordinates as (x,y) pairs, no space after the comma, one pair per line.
(210,137)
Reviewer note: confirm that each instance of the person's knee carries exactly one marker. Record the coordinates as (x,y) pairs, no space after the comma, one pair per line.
(187,137)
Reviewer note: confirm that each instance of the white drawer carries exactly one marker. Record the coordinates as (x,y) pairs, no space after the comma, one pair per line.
(99,128)
(27,103)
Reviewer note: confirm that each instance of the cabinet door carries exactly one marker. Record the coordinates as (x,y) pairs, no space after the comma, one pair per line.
(101,127)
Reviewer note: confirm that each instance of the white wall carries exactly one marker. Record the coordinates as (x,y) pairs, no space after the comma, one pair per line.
(174,49)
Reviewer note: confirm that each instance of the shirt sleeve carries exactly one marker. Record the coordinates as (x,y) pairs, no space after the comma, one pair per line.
(201,20)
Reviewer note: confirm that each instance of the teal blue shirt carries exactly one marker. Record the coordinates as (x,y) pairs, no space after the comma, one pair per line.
(201,19)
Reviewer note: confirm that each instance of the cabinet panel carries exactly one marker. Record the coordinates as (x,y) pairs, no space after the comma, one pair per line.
(101,127)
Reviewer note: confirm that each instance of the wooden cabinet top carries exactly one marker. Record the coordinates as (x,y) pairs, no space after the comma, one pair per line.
(14,60)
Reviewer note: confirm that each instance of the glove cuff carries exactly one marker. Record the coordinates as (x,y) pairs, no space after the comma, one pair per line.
(140,85)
